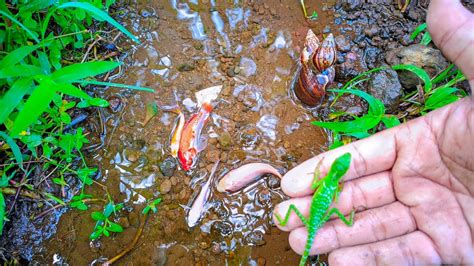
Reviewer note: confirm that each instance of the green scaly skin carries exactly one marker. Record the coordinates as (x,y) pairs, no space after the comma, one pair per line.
(327,190)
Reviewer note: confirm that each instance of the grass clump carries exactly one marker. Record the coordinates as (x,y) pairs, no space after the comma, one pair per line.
(45,61)
(435,93)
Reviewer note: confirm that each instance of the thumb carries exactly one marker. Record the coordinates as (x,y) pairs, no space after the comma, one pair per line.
(451,27)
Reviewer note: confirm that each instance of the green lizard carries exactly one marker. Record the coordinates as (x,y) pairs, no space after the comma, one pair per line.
(327,189)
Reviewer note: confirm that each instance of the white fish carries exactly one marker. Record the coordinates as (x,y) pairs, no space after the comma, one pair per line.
(244,175)
(195,212)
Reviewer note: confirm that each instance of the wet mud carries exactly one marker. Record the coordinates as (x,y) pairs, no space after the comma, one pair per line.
(251,49)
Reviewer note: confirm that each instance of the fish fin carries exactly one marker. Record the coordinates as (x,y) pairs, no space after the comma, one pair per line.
(201,145)
(208,95)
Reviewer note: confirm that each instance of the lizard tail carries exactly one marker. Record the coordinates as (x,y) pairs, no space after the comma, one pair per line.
(307,248)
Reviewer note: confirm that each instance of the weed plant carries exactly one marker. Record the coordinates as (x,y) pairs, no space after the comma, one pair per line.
(40,84)
(432,94)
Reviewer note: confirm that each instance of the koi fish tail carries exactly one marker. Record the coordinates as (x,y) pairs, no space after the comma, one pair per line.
(207,106)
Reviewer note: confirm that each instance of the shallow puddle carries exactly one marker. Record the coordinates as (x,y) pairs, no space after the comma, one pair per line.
(251,50)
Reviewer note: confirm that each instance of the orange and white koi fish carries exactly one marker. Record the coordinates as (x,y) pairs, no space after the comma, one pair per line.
(190,143)
(178,130)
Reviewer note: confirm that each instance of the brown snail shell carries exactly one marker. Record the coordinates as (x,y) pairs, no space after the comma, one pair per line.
(325,56)
(317,71)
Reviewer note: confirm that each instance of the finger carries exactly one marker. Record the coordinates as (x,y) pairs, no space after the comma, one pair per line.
(369,226)
(453,34)
(412,249)
(371,155)
(368,192)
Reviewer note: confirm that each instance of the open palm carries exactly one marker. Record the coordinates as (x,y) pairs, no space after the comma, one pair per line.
(412,186)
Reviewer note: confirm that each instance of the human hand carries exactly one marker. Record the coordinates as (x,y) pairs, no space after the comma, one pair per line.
(413,185)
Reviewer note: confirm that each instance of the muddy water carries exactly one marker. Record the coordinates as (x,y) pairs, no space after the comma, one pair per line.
(248,48)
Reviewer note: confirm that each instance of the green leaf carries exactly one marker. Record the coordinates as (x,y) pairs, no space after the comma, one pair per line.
(118,85)
(14,147)
(29,32)
(96,234)
(150,111)
(54,198)
(418,30)
(17,55)
(390,121)
(84,175)
(20,71)
(36,104)
(359,135)
(59,181)
(418,72)
(364,123)
(440,98)
(114,227)
(13,97)
(44,62)
(109,209)
(99,15)
(98,216)
(65,118)
(105,232)
(443,75)
(82,70)
(426,39)
(99,102)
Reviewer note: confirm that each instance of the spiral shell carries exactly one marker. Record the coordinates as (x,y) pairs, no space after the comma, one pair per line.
(317,71)
(325,56)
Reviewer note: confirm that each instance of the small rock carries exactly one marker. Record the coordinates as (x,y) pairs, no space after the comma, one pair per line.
(342,44)
(225,140)
(431,60)
(350,5)
(385,86)
(230,72)
(167,166)
(213,155)
(186,67)
(165,186)
(261,261)
(352,67)
(132,155)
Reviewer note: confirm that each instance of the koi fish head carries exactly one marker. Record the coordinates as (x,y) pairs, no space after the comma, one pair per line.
(186,158)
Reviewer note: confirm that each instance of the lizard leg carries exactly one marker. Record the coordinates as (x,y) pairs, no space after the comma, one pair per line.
(349,222)
(340,186)
(293,208)
(317,173)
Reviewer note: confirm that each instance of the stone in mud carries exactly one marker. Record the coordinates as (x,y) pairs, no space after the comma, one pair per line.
(213,155)
(431,60)
(132,155)
(352,66)
(342,44)
(186,67)
(165,186)
(167,166)
(385,86)
(350,5)
(225,140)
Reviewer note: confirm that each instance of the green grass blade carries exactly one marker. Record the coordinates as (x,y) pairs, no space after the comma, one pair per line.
(72,90)
(16,56)
(21,25)
(118,85)
(15,149)
(20,71)
(419,72)
(390,121)
(440,98)
(13,97)
(36,104)
(418,30)
(99,15)
(443,75)
(426,39)
(357,125)
(376,106)
(82,70)
(362,124)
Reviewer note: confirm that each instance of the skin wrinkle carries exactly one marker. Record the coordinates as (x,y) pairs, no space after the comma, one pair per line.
(469,44)
(363,162)
(447,36)
(465,218)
